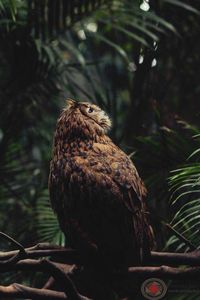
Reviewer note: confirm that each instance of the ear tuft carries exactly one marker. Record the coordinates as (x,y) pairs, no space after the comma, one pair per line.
(71,103)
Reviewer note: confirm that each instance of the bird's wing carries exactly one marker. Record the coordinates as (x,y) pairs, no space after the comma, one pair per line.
(123,172)
(87,203)
(125,175)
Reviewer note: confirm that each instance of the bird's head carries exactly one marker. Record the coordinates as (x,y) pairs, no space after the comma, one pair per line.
(84,118)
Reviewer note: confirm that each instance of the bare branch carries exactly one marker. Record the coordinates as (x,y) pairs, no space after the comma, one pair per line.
(71,256)
(63,278)
(29,265)
(168,258)
(56,270)
(49,284)
(163,272)
(44,250)
(19,254)
(146,271)
(12,260)
(16,290)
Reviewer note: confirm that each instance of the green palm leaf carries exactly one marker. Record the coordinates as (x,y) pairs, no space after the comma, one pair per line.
(185,187)
(47,226)
(184,5)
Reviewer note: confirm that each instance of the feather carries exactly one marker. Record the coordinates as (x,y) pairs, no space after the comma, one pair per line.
(95,189)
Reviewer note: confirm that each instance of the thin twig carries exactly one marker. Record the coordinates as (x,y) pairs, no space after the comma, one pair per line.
(180,237)
(62,279)
(49,284)
(12,260)
(19,254)
(13,241)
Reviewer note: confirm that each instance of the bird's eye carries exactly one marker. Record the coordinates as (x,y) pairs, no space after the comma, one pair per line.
(90,110)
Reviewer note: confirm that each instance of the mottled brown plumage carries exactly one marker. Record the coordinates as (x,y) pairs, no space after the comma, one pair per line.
(95,189)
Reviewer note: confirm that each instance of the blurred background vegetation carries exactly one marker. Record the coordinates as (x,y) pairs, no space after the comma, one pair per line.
(140,61)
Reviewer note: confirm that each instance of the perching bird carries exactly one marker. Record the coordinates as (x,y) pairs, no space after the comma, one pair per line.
(95,189)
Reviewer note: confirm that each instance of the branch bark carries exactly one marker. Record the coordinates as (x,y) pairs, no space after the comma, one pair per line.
(63,262)
(140,272)
(16,290)
(164,272)
(174,259)
(44,250)
(58,271)
(71,256)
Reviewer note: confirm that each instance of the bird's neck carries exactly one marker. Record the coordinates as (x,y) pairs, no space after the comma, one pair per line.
(72,144)
(73,135)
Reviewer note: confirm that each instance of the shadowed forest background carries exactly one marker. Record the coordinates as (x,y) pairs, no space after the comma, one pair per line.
(140,62)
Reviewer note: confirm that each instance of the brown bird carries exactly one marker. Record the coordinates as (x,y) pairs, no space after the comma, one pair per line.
(95,189)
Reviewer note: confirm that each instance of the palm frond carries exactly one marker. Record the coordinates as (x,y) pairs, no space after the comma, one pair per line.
(47,226)
(183,5)
(18,179)
(185,188)
(50,17)
(163,148)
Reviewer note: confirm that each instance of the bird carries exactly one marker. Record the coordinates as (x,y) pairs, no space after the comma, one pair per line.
(95,189)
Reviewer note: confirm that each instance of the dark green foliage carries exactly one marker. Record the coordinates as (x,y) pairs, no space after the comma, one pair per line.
(157,155)
(185,201)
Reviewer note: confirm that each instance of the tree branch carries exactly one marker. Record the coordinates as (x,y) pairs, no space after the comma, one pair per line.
(56,270)
(16,258)
(140,272)
(168,258)
(16,290)
(164,272)
(21,253)
(45,250)
(62,276)
(71,256)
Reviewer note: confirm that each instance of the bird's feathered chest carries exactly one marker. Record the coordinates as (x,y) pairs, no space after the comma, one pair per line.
(93,168)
